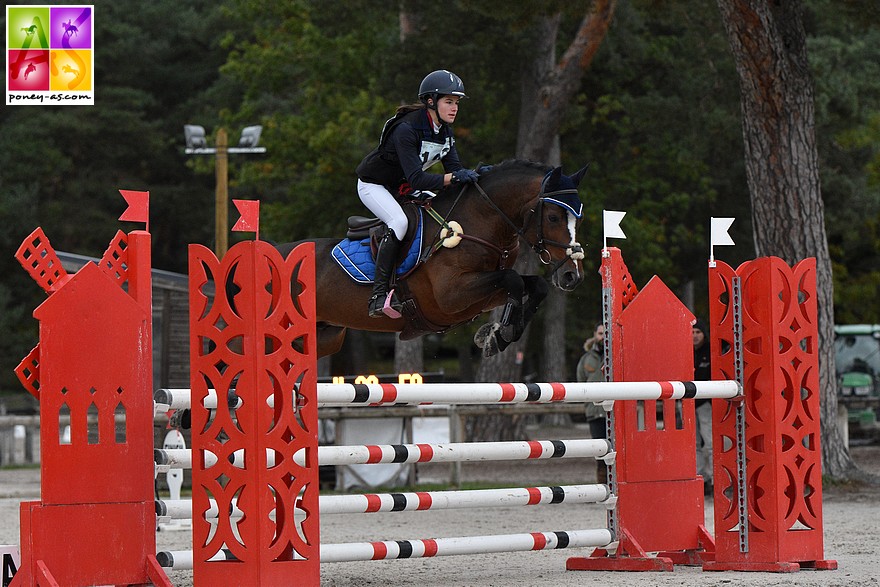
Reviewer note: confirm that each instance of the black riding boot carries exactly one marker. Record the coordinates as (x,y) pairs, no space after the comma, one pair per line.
(385,260)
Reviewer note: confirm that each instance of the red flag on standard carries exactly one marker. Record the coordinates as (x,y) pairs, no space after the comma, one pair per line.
(250,215)
(138,206)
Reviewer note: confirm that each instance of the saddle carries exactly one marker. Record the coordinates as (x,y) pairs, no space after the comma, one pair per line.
(356,254)
(361,228)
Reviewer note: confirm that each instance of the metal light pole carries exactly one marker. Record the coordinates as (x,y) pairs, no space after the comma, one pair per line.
(197,144)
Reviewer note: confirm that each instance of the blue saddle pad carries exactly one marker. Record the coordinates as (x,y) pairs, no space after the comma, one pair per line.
(357,261)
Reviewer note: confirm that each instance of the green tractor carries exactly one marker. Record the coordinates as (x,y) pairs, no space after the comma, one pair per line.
(857,354)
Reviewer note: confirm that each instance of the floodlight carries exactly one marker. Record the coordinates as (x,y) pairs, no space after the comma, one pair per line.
(195,136)
(250,136)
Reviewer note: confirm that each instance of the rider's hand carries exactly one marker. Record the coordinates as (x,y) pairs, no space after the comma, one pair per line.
(465,176)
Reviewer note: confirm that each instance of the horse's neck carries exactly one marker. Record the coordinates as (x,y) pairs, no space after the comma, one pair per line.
(501,218)
(516,204)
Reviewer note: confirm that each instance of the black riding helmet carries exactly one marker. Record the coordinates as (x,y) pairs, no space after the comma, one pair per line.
(440,83)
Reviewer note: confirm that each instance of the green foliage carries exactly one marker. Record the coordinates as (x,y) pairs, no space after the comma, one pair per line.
(305,79)
(846,61)
(658,117)
(61,167)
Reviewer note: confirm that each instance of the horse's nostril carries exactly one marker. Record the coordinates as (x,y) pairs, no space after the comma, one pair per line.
(572,279)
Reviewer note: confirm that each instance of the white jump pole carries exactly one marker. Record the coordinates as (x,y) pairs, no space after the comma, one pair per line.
(369,503)
(350,394)
(503,393)
(425,548)
(414,453)
(459,452)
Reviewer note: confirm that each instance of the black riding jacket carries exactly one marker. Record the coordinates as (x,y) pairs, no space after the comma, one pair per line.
(407,148)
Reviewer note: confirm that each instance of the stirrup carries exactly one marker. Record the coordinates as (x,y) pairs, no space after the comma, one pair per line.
(390,307)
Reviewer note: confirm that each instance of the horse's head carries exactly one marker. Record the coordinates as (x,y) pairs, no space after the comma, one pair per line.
(540,206)
(559,211)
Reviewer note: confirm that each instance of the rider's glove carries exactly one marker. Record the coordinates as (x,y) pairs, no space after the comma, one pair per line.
(465,176)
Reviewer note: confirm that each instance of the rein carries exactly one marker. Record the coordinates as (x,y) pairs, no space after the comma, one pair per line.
(504,254)
(575,251)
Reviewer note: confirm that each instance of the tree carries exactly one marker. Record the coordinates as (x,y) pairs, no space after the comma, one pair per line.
(768,42)
(311,73)
(60,168)
(655,117)
(844,46)
(547,90)
(409,355)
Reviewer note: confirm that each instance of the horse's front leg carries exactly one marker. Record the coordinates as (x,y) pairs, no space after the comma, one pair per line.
(520,310)
(494,337)
(536,291)
(524,295)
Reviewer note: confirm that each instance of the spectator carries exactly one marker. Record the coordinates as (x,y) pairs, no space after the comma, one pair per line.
(589,368)
(703,372)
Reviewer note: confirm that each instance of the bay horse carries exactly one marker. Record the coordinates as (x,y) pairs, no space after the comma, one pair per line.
(471,239)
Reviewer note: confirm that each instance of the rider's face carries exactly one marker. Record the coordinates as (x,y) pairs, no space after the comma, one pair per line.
(447,108)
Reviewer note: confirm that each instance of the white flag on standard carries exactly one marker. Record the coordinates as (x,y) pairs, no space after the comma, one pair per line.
(720,226)
(718,236)
(611,222)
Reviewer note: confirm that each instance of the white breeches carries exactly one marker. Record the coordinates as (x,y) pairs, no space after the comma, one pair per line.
(381,203)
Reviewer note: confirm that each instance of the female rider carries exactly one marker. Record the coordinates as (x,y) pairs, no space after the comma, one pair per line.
(416,138)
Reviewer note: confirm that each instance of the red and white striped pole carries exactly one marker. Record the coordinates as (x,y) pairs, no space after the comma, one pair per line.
(369,394)
(413,453)
(369,503)
(425,548)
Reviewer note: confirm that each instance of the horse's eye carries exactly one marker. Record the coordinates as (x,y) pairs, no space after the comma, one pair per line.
(553,218)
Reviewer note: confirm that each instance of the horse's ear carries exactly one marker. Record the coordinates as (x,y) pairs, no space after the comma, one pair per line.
(577,177)
(553,178)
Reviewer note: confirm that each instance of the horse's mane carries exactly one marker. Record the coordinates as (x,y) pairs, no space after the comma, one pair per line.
(523,164)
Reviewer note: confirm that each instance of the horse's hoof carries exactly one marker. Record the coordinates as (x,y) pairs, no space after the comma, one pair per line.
(492,347)
(487,339)
(485,332)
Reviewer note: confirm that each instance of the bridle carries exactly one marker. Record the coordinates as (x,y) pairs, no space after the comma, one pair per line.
(574,251)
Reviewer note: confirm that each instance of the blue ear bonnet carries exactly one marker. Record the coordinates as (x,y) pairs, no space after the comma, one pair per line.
(564,193)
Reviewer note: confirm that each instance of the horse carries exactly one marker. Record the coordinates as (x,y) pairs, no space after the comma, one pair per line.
(69,28)
(464,269)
